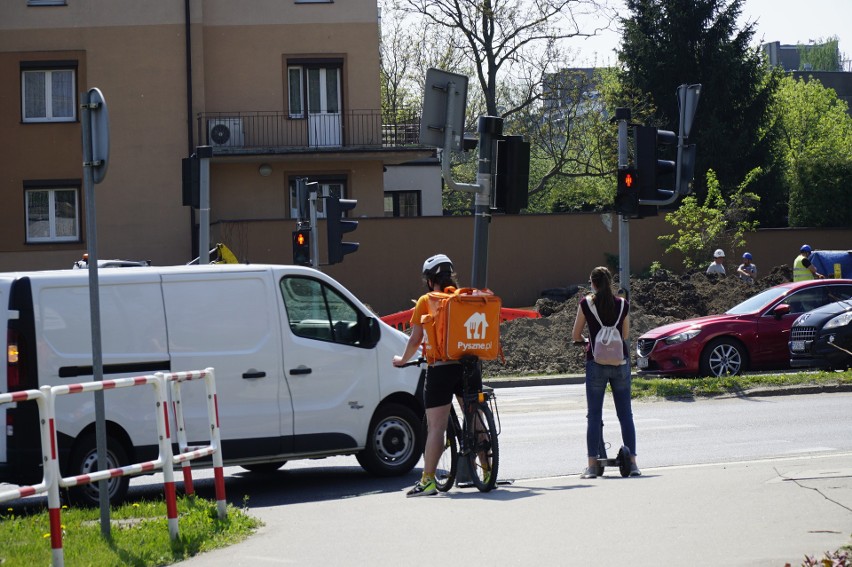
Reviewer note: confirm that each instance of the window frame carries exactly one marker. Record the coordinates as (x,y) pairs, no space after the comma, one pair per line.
(48,68)
(52,190)
(395,196)
(47,3)
(325,302)
(325,182)
(299,91)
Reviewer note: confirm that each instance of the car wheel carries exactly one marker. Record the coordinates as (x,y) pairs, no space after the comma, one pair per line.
(264,467)
(84,460)
(394,442)
(724,357)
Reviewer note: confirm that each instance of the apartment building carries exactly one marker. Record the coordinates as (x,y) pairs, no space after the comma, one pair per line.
(280,89)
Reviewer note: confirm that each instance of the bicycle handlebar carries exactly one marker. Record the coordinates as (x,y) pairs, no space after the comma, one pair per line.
(413,362)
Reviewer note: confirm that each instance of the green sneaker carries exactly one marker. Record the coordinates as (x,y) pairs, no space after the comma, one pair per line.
(421,489)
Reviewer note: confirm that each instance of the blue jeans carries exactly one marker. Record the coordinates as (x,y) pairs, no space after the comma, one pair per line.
(597,377)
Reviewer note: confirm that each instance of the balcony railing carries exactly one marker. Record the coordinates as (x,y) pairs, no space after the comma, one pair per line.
(277,132)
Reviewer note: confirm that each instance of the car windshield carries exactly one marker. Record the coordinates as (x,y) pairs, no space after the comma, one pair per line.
(756,302)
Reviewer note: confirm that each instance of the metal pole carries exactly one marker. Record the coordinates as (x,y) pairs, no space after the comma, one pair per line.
(623,117)
(490,129)
(204,154)
(312,199)
(95,311)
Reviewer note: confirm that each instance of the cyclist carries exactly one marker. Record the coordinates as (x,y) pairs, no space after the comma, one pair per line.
(443,379)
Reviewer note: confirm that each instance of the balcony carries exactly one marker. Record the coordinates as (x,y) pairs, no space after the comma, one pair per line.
(252,133)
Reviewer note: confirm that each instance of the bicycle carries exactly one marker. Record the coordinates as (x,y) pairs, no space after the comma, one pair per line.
(475,439)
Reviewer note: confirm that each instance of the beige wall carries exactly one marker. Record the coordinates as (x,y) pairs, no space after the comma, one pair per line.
(527,253)
(134,51)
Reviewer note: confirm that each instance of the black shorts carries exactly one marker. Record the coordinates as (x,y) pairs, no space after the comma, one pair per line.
(445,380)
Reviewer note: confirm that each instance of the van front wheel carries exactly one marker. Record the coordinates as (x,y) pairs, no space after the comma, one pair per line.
(394,443)
(84,460)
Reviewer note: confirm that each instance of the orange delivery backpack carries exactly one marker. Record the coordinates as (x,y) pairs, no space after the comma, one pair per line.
(462,322)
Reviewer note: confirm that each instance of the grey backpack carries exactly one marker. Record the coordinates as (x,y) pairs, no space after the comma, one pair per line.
(608,348)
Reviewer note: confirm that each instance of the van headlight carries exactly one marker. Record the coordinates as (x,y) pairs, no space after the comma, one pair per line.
(840,321)
(681,337)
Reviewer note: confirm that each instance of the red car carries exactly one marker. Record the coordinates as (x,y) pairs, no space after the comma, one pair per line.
(751,335)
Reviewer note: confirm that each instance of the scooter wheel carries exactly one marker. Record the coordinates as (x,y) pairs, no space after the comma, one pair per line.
(623,460)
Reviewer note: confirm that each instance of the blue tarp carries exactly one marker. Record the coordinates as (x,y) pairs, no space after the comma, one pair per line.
(825,260)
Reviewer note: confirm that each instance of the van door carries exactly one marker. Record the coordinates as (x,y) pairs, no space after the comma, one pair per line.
(228,320)
(333,377)
(5,283)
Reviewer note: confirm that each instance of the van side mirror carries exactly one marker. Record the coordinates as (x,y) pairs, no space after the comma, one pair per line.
(370,332)
(780,310)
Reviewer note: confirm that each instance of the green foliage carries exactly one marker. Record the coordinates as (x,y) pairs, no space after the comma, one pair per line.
(715,224)
(667,43)
(824,55)
(139,534)
(701,387)
(816,152)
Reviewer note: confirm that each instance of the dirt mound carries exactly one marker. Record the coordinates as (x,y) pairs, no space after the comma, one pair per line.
(543,346)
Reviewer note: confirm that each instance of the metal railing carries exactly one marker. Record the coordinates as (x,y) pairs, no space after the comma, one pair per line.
(278,132)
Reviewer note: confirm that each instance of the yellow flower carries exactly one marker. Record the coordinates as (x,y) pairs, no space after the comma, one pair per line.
(45,536)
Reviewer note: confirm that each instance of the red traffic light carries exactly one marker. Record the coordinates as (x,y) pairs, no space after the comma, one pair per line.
(300,238)
(628,180)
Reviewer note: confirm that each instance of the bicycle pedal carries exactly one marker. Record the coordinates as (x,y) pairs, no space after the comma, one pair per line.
(465,484)
(507,482)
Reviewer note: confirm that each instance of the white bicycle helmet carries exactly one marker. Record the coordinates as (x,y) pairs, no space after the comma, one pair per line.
(437,264)
(719,253)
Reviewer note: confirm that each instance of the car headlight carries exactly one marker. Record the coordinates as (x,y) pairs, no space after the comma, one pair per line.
(681,337)
(840,321)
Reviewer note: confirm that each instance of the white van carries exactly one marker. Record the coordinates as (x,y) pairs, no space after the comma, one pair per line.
(303,369)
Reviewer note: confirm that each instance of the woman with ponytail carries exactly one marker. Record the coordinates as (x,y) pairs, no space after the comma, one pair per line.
(612,311)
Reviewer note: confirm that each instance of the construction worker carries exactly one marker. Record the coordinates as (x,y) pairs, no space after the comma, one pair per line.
(803,268)
(717,266)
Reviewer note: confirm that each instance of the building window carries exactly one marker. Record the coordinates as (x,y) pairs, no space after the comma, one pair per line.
(53,215)
(326,185)
(402,203)
(294,86)
(48,95)
(46,3)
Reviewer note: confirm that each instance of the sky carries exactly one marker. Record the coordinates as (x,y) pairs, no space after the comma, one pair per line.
(787,21)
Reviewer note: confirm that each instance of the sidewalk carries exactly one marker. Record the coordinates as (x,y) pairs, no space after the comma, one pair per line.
(767,512)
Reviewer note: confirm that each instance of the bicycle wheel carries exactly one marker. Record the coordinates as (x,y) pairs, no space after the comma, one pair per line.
(445,474)
(484,458)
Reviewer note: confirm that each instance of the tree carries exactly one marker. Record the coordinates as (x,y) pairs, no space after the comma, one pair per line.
(512,49)
(821,56)
(715,224)
(671,42)
(816,145)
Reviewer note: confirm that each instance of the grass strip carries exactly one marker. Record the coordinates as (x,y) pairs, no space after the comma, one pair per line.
(139,534)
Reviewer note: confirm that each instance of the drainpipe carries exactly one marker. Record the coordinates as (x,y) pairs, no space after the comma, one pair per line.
(189,126)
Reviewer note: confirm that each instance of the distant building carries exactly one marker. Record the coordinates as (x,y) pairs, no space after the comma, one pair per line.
(788,57)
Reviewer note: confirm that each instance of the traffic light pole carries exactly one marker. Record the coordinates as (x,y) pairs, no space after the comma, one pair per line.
(622,115)
(312,199)
(490,129)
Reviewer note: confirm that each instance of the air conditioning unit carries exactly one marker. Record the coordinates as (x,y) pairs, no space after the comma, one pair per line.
(225,132)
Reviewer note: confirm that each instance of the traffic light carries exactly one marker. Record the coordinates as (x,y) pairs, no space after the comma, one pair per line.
(511,185)
(191,174)
(627,192)
(302,247)
(336,227)
(655,175)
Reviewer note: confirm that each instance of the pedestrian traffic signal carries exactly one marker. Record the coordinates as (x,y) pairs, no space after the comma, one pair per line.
(302,247)
(627,192)
(511,184)
(336,227)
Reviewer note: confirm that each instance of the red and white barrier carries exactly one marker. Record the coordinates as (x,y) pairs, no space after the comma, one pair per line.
(187,453)
(52,480)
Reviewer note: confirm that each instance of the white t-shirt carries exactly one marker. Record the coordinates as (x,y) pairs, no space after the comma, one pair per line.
(715,268)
